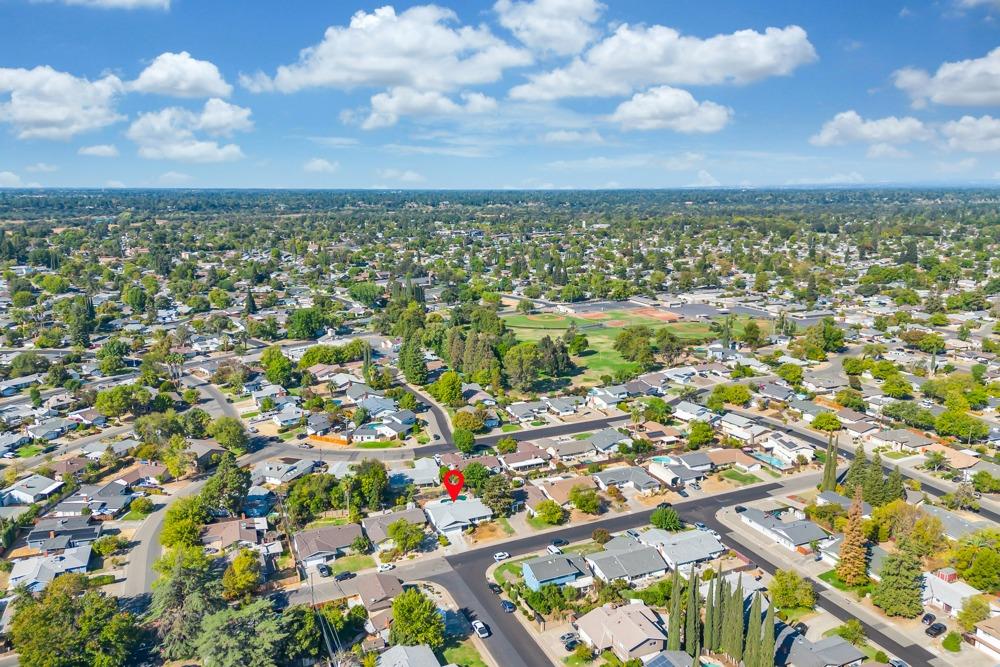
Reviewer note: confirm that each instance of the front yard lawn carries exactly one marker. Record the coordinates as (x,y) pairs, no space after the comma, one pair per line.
(463,654)
(505,525)
(326,521)
(352,563)
(896,455)
(740,477)
(830,577)
(509,570)
(773,473)
(510,428)
(134,516)
(793,615)
(582,436)
(379,444)
(583,549)
(30,450)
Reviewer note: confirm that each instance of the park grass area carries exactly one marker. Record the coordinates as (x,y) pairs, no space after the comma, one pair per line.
(326,521)
(29,450)
(379,444)
(463,654)
(830,577)
(740,477)
(601,330)
(354,563)
(510,428)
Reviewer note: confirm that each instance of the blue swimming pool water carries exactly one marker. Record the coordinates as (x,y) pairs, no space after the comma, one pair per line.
(770,460)
(665,460)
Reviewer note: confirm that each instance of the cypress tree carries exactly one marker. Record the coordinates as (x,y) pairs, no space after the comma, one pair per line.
(874,482)
(830,466)
(856,472)
(721,596)
(767,641)
(709,614)
(853,566)
(249,305)
(894,487)
(674,623)
(692,626)
(738,598)
(751,655)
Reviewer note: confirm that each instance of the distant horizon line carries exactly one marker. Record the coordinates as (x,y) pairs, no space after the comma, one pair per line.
(719,188)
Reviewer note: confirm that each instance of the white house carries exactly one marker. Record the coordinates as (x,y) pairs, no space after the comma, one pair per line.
(448,516)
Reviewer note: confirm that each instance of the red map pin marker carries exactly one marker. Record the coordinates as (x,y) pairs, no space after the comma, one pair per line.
(454,480)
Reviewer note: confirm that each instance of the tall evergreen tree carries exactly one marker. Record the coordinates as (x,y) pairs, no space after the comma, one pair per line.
(721,595)
(853,566)
(767,641)
(856,471)
(674,622)
(830,466)
(894,489)
(732,643)
(874,482)
(751,654)
(709,614)
(692,626)
(249,305)
(899,590)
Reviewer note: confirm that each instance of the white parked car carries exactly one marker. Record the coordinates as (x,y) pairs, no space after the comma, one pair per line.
(501,555)
(481,629)
(385,567)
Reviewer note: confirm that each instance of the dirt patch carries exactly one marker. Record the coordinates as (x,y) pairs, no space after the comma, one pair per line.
(616,323)
(594,316)
(486,532)
(656,314)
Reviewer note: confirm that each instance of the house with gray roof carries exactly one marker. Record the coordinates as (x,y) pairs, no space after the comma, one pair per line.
(325,543)
(792,649)
(280,471)
(697,461)
(633,477)
(607,440)
(955,526)
(377,526)
(556,569)
(29,490)
(422,472)
(448,516)
(571,450)
(790,534)
(37,572)
(409,656)
(635,562)
(526,411)
(834,498)
(685,548)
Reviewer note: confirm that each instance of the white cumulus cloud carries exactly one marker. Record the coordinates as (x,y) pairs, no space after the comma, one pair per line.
(171,133)
(638,56)
(562,27)
(180,75)
(666,108)
(119,4)
(99,150)
(9,179)
(43,103)
(973,82)
(420,48)
(573,137)
(388,107)
(975,135)
(41,168)
(318,165)
(849,127)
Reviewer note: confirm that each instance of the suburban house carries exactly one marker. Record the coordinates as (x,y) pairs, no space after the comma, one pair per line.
(683,549)
(325,543)
(901,440)
(630,631)
(834,498)
(527,457)
(956,527)
(409,656)
(377,526)
(424,472)
(95,450)
(770,391)
(742,428)
(571,450)
(29,490)
(787,448)
(36,572)
(559,488)
(631,477)
(557,569)
(627,560)
(102,501)
(987,637)
(607,440)
(793,534)
(724,458)
(63,533)
(526,412)
(375,592)
(606,398)
(318,424)
(50,429)
(473,394)
(655,432)
(449,516)
(686,411)
(943,590)
(564,406)
(239,533)
(793,650)
(280,471)
(696,461)
(830,551)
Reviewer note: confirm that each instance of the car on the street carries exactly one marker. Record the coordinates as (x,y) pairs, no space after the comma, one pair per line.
(571,644)
(936,630)
(437,437)
(496,589)
(896,662)
(507,606)
(481,629)
(664,506)
(324,570)
(682,493)
(700,526)
(568,637)
(501,555)
(385,567)
(559,542)
(927,619)
(305,445)
(344,576)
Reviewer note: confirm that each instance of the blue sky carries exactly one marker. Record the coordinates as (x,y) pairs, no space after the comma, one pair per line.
(503,94)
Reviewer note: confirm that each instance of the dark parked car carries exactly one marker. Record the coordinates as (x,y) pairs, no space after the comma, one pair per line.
(278,601)
(935,630)
(682,493)
(740,508)
(559,542)
(507,606)
(344,576)
(324,570)
(928,619)
(664,506)
(801,628)
(571,644)
(496,589)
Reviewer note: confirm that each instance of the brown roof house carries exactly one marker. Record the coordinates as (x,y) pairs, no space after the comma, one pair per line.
(376,592)
(377,527)
(630,631)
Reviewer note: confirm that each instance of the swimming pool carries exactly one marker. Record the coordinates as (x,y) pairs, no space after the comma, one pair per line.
(664,460)
(771,461)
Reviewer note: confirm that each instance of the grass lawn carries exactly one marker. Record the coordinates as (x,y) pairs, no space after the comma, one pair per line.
(584,549)
(327,521)
(895,455)
(379,444)
(510,569)
(864,647)
(463,655)
(740,477)
(248,415)
(582,436)
(773,473)
(793,615)
(423,439)
(539,422)
(134,516)
(830,577)
(30,450)
(537,523)
(288,435)
(510,428)
(505,525)
(352,563)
